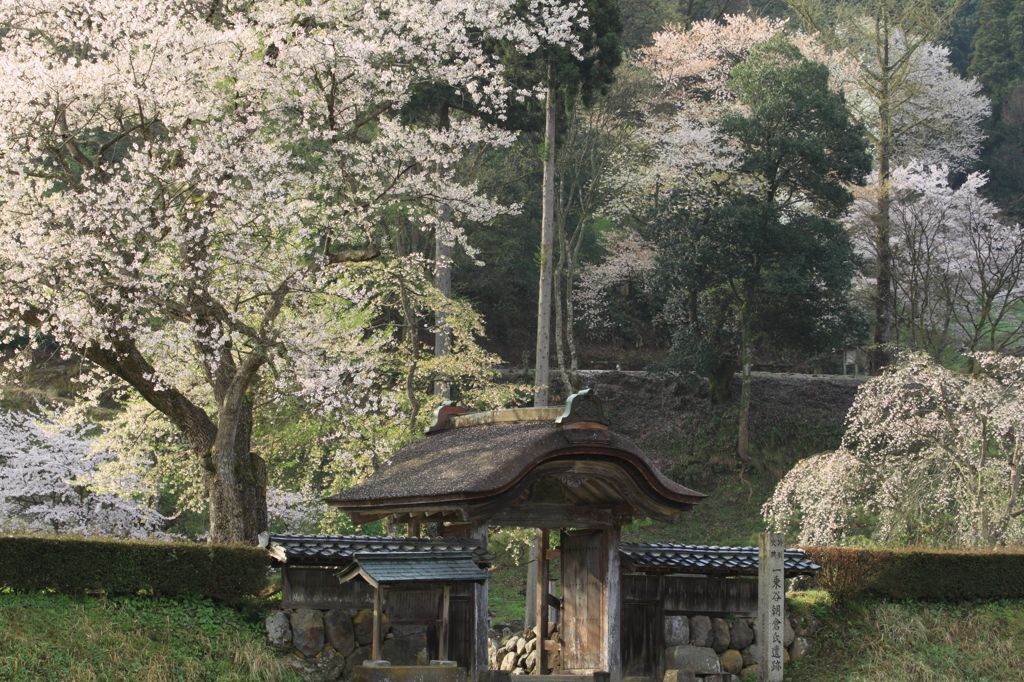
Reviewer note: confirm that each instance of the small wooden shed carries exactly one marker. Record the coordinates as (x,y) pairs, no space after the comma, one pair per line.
(428,582)
(551,469)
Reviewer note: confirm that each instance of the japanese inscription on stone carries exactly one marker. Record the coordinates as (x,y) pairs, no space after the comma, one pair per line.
(771,606)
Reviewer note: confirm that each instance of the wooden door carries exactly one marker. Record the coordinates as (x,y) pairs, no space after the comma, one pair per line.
(643,637)
(583,576)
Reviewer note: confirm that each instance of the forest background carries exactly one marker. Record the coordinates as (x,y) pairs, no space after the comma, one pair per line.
(898,231)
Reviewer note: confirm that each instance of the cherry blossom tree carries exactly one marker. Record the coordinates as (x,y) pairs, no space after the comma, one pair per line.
(200,200)
(931,456)
(45,468)
(958,269)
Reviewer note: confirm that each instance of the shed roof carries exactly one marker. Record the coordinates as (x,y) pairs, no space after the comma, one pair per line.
(341,550)
(705,560)
(481,469)
(403,567)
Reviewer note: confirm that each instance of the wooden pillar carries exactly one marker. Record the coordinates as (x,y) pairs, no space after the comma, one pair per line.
(442,635)
(414,528)
(541,605)
(530,619)
(611,649)
(481,613)
(378,608)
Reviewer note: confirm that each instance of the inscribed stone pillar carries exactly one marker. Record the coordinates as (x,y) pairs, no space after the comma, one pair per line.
(771,606)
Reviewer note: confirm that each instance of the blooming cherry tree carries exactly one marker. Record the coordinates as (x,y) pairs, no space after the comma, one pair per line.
(44,467)
(930,456)
(190,197)
(958,268)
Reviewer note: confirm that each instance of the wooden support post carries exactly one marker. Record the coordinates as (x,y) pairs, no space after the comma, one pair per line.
(414,528)
(378,612)
(612,603)
(541,590)
(530,620)
(481,613)
(552,611)
(442,635)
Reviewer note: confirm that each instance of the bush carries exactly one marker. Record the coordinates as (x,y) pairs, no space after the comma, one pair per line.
(920,575)
(115,567)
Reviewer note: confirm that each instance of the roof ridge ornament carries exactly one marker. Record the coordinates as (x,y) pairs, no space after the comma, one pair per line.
(584,406)
(442,414)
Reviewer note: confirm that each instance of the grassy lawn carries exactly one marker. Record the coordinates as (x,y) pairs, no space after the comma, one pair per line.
(56,638)
(876,642)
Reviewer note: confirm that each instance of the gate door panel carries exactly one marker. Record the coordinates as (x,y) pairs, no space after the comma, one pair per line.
(583,576)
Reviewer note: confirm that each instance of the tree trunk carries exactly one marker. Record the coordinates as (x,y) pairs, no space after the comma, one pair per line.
(237,489)
(443,276)
(720,380)
(884,304)
(547,242)
(743,445)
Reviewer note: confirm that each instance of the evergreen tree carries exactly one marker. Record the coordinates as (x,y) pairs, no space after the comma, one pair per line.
(998,59)
(773,248)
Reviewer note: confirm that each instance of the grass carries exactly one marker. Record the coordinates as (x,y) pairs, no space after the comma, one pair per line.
(878,641)
(57,638)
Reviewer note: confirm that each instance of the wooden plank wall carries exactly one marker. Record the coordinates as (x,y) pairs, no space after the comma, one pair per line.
(710,596)
(318,588)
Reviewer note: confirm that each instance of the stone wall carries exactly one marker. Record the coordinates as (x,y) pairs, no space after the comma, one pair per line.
(324,646)
(516,653)
(720,649)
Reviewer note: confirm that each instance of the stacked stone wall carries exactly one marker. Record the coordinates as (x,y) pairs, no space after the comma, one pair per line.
(726,649)
(324,646)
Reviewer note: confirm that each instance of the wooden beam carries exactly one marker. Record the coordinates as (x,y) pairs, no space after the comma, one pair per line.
(442,635)
(555,516)
(359,518)
(378,612)
(541,605)
(553,554)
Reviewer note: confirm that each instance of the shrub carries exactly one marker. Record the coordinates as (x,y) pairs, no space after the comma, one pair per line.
(844,572)
(115,567)
(921,575)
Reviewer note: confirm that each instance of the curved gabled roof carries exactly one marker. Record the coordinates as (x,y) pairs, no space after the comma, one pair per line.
(480,470)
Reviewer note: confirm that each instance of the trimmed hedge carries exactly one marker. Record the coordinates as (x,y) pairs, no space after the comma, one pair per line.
(116,567)
(921,575)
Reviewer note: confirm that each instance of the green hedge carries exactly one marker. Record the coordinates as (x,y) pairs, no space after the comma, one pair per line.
(922,575)
(71,566)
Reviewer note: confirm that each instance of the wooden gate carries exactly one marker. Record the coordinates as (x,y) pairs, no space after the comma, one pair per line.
(583,576)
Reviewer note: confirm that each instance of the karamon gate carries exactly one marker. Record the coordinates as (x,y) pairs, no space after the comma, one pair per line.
(551,469)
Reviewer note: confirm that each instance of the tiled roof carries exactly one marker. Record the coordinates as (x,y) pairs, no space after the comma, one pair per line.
(340,550)
(417,566)
(701,559)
